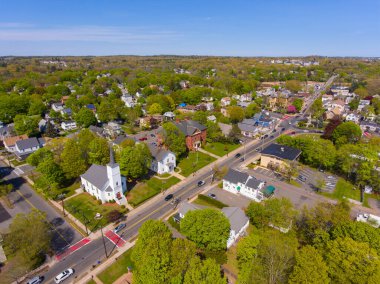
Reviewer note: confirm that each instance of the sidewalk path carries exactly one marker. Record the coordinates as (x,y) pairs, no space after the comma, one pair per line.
(177,175)
(208,153)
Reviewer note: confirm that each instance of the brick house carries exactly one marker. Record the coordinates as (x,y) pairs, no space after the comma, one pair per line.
(195,133)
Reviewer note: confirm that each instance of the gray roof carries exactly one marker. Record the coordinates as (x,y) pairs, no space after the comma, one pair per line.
(185,207)
(281,151)
(29,143)
(96,175)
(248,127)
(189,127)
(236,176)
(236,217)
(157,152)
(253,182)
(95,129)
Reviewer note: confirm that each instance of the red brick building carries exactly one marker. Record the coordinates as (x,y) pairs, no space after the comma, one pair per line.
(195,133)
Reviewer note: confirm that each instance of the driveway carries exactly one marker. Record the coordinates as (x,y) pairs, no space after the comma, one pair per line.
(233,200)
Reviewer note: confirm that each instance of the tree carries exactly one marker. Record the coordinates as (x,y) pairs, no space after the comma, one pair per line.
(247,249)
(208,228)
(293,86)
(174,139)
(135,161)
(203,272)
(37,107)
(155,109)
(5,189)
(201,117)
(51,171)
(72,161)
(37,157)
(234,134)
(291,109)
(316,108)
(26,124)
(330,127)
(50,130)
(347,132)
(298,103)
(361,92)
(98,151)
(182,252)
(309,268)
(251,110)
(127,143)
(235,113)
(354,104)
(85,117)
(352,262)
(29,237)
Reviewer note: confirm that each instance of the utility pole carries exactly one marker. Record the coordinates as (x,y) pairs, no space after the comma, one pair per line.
(99,217)
(61,197)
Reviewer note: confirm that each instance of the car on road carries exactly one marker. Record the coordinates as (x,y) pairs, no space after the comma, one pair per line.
(237,155)
(64,275)
(201,182)
(168,197)
(119,228)
(271,136)
(212,195)
(290,122)
(302,178)
(143,139)
(257,149)
(266,136)
(152,135)
(283,129)
(174,201)
(35,280)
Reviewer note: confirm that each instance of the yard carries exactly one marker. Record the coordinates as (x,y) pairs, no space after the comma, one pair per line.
(84,208)
(70,190)
(204,200)
(193,162)
(146,189)
(117,269)
(220,149)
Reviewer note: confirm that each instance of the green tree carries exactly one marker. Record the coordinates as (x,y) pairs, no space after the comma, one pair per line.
(203,272)
(155,109)
(251,110)
(135,161)
(182,252)
(37,157)
(51,171)
(208,228)
(352,262)
(247,249)
(72,161)
(26,124)
(235,113)
(174,139)
(309,268)
(37,107)
(347,132)
(317,109)
(293,86)
(298,103)
(98,151)
(85,117)
(29,237)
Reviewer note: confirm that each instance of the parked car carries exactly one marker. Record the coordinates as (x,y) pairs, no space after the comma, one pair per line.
(266,136)
(237,155)
(271,136)
(201,182)
(283,129)
(143,139)
(35,280)
(168,197)
(119,227)
(302,178)
(64,275)
(152,135)
(213,196)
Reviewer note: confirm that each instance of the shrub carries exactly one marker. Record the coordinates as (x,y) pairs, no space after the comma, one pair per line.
(99,202)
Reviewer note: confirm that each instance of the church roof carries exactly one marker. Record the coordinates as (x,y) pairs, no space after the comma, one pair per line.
(96,175)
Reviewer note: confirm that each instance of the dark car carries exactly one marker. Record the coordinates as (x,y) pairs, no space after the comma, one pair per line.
(201,182)
(119,228)
(302,178)
(271,136)
(237,155)
(168,197)
(274,130)
(283,129)
(265,136)
(152,135)
(212,195)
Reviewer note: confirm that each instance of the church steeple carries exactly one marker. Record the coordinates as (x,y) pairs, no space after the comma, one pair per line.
(112,158)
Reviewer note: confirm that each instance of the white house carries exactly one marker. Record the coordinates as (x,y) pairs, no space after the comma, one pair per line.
(226,101)
(363,104)
(58,107)
(128,100)
(372,220)
(246,98)
(105,182)
(340,90)
(241,183)
(164,161)
(239,222)
(211,118)
(25,147)
(68,125)
(353,117)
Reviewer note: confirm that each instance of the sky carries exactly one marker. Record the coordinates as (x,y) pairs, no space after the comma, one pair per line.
(190,27)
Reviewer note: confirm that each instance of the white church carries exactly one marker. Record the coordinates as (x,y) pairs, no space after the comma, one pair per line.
(105,182)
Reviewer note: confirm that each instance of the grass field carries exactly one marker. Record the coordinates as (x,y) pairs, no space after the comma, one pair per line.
(70,190)
(149,188)
(194,162)
(117,269)
(84,208)
(220,149)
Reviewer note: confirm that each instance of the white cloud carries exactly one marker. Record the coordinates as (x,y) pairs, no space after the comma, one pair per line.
(24,32)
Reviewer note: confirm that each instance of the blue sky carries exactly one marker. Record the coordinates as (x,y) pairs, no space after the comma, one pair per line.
(190,27)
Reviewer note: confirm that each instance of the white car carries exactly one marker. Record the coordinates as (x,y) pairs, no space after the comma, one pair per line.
(64,275)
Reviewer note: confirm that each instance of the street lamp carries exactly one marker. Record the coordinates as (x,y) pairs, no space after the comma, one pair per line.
(98,216)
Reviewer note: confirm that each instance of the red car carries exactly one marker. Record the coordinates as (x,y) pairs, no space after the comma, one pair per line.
(143,139)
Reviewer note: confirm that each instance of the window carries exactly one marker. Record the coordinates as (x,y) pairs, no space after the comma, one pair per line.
(117,183)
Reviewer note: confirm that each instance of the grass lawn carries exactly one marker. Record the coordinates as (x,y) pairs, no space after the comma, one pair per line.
(117,269)
(189,165)
(209,202)
(145,190)
(17,163)
(91,282)
(232,263)
(220,149)
(84,208)
(70,190)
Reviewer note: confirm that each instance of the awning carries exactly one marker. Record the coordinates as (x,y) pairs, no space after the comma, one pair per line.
(269,190)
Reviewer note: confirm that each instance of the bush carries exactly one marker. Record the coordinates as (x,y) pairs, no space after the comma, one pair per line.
(212,201)
(122,206)
(219,256)
(99,202)
(220,185)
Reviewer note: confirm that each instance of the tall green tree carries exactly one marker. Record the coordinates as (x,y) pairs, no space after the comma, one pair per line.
(85,117)
(26,124)
(309,267)
(174,139)
(298,103)
(347,132)
(135,161)
(203,272)
(235,113)
(72,161)
(208,228)
(98,151)
(37,157)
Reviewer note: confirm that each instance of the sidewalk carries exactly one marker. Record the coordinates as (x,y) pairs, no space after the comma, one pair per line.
(208,153)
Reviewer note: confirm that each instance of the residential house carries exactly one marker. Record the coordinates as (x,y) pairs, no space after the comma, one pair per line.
(96,130)
(209,106)
(187,108)
(91,107)
(264,120)
(150,121)
(211,118)
(128,100)
(194,132)
(164,161)
(326,98)
(248,128)
(333,113)
(339,90)
(225,128)
(184,84)
(226,101)
(239,222)
(207,99)
(121,138)
(10,142)
(68,125)
(368,126)
(66,112)
(105,182)
(245,98)
(353,117)
(65,98)
(25,147)
(241,183)
(112,129)
(243,104)
(224,111)
(169,116)
(6,131)
(57,107)
(276,155)
(363,104)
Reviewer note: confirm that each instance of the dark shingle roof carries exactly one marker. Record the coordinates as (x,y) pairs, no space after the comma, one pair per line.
(189,127)
(28,143)
(96,175)
(281,151)
(157,152)
(253,182)
(236,176)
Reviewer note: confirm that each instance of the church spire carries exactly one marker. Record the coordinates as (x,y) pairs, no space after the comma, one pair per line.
(112,159)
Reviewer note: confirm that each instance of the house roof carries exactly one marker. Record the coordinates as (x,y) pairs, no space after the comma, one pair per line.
(235,176)
(253,182)
(9,141)
(189,127)
(158,153)
(236,217)
(29,143)
(281,151)
(185,207)
(96,175)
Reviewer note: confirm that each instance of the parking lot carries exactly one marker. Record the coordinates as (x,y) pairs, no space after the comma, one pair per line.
(310,176)
(228,198)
